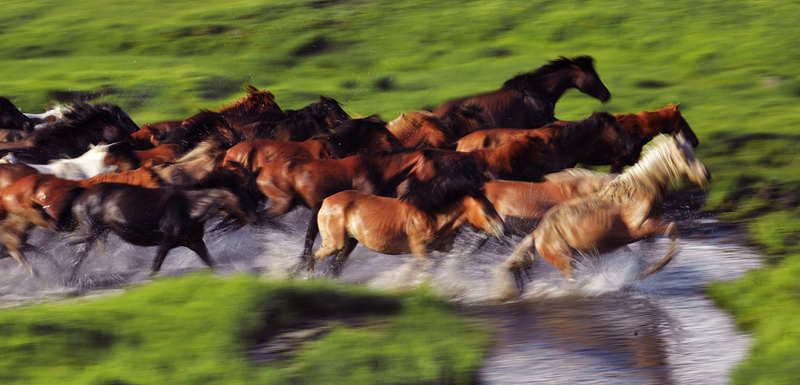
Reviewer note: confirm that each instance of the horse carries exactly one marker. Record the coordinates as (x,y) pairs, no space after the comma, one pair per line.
(44,200)
(522,204)
(192,166)
(530,156)
(528,100)
(163,153)
(421,129)
(351,137)
(166,217)
(423,220)
(11,118)
(643,126)
(206,125)
(82,125)
(626,210)
(91,163)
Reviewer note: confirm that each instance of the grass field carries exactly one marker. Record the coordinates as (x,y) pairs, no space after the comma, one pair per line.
(732,66)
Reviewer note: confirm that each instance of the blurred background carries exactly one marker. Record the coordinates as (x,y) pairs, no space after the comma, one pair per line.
(732,66)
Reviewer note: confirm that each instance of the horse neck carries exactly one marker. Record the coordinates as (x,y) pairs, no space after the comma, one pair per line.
(651,175)
(554,84)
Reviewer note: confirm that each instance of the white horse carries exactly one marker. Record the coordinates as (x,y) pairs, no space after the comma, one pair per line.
(89,164)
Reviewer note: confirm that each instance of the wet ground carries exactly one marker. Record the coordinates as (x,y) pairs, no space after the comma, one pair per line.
(602,328)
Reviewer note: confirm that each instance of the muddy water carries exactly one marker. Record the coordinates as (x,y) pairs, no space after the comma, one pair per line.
(601,328)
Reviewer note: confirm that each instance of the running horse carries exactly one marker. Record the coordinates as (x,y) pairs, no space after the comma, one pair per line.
(421,129)
(166,217)
(422,221)
(528,100)
(44,200)
(626,210)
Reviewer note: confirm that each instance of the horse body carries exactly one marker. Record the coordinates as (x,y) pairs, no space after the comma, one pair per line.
(626,210)
(528,100)
(166,217)
(523,204)
(395,226)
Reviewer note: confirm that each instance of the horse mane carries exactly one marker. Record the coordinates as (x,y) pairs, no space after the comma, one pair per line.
(254,103)
(573,132)
(411,121)
(654,170)
(201,127)
(319,111)
(585,181)
(442,191)
(460,112)
(521,82)
(80,118)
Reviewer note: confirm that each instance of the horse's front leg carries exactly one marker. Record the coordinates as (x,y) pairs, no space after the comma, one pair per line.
(667,228)
(13,231)
(196,244)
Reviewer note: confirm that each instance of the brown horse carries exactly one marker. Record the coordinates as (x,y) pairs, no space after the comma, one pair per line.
(192,166)
(643,126)
(420,222)
(528,100)
(522,204)
(624,211)
(528,155)
(166,217)
(44,200)
(351,137)
(206,125)
(421,129)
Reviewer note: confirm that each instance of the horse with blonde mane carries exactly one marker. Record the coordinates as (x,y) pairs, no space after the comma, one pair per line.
(421,129)
(626,210)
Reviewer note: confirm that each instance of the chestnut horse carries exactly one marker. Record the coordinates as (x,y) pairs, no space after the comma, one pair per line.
(166,217)
(421,129)
(528,100)
(643,126)
(625,211)
(351,137)
(421,221)
(42,199)
(528,154)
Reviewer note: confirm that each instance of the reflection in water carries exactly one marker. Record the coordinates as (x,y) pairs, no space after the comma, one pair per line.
(598,329)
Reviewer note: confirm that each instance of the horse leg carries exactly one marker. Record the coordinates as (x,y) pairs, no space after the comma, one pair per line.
(196,244)
(667,228)
(338,262)
(522,259)
(311,235)
(13,231)
(163,249)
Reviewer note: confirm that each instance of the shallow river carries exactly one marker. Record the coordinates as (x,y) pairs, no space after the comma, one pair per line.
(601,328)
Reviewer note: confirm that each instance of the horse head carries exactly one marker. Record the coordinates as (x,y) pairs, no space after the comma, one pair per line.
(681,125)
(687,163)
(587,80)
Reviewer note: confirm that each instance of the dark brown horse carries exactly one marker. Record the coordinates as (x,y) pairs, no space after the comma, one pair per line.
(643,127)
(166,217)
(528,100)
(204,126)
(626,210)
(11,118)
(81,126)
(42,199)
(420,222)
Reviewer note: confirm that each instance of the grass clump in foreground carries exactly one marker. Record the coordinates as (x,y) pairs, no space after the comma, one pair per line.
(198,329)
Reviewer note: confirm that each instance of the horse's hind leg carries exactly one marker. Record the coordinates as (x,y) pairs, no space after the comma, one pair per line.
(311,236)
(13,231)
(197,245)
(159,259)
(338,262)
(668,229)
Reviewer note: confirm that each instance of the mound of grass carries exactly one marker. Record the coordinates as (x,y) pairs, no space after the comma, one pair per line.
(198,329)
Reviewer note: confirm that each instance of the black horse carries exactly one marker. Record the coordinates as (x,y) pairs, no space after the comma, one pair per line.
(528,100)
(167,217)
(11,118)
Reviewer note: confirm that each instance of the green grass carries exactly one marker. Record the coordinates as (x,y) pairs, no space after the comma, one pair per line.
(732,65)
(198,329)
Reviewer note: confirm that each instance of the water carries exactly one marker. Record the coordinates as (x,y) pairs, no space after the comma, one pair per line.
(602,328)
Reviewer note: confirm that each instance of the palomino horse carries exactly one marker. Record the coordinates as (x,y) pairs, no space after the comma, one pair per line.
(528,100)
(351,137)
(166,217)
(421,129)
(625,211)
(523,204)
(643,126)
(420,222)
(45,200)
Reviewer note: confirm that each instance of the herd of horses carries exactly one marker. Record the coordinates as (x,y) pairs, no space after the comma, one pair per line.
(498,162)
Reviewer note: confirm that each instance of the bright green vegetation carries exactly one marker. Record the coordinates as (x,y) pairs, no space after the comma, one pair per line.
(731,64)
(198,329)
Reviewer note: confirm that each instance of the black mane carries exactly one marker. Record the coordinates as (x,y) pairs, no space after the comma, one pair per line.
(522,82)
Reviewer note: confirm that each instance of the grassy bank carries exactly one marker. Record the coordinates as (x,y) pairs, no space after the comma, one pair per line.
(198,329)
(732,65)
